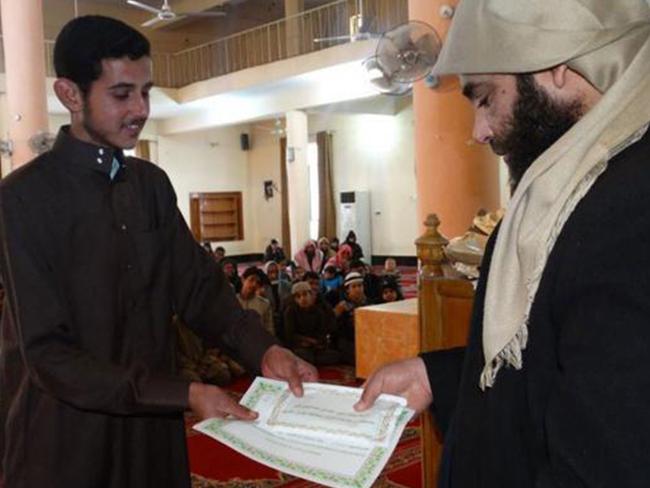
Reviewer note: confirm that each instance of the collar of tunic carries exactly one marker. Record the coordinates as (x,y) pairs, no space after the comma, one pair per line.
(92,156)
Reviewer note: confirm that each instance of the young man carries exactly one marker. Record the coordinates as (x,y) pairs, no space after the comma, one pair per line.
(250,299)
(96,259)
(229,268)
(219,253)
(552,389)
(371,282)
(274,252)
(353,298)
(309,324)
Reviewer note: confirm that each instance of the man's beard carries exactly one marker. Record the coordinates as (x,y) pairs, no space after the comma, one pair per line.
(537,122)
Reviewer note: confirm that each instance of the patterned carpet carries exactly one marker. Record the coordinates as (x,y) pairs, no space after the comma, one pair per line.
(214,465)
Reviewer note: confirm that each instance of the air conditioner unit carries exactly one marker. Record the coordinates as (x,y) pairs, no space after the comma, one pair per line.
(355,215)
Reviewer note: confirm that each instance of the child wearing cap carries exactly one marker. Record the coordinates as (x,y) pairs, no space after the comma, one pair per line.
(308,325)
(354,297)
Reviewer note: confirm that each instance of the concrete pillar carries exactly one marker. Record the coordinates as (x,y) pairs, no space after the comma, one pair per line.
(298,178)
(455,175)
(24,51)
(293,30)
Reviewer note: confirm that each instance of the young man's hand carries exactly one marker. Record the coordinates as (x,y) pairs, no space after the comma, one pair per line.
(407,379)
(209,401)
(279,363)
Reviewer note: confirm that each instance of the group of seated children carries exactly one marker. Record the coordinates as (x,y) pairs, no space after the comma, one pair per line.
(307,304)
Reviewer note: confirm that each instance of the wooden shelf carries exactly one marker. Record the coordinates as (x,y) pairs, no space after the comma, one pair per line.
(216,216)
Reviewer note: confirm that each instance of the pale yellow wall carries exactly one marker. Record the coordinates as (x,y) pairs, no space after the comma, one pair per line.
(376,153)
(209,161)
(264,164)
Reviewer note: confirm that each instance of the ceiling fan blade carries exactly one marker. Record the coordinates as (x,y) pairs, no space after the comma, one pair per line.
(143,6)
(204,14)
(151,22)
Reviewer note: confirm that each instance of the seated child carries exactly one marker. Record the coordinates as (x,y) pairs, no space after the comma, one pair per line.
(354,297)
(390,290)
(331,280)
(308,325)
(250,299)
(197,363)
(390,269)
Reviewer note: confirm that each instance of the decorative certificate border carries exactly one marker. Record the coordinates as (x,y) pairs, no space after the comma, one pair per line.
(378,436)
(363,478)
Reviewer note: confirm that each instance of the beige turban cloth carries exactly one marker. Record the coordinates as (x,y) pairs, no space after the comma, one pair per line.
(608,43)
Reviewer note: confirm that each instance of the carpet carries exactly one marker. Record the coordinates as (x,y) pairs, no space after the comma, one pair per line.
(214,465)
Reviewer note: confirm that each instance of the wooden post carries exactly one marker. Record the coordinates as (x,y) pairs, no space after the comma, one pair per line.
(431,256)
(444,311)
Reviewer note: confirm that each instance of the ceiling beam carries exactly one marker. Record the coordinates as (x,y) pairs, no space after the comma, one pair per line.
(196,5)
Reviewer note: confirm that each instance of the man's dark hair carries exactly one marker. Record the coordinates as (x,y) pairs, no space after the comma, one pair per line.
(254,271)
(357,263)
(85,41)
(220,248)
(310,275)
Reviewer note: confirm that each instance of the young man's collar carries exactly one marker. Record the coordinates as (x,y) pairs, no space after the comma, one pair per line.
(98,158)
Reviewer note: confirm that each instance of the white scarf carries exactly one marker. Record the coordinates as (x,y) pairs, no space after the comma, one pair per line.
(545,198)
(607,44)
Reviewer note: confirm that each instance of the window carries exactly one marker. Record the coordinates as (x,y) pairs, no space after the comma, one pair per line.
(216,216)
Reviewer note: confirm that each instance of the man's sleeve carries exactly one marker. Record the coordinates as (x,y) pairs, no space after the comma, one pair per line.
(444,372)
(39,323)
(207,303)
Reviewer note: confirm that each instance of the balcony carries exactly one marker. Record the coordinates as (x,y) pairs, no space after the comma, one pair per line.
(275,41)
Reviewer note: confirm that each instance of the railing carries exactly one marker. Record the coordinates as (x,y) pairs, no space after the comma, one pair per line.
(282,39)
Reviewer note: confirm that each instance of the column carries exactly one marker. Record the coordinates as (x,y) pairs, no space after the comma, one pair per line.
(298,177)
(455,175)
(24,51)
(293,26)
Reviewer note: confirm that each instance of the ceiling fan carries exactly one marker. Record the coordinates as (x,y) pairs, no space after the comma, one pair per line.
(358,28)
(165,13)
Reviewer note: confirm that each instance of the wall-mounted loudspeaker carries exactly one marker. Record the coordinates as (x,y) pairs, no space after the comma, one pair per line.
(245,142)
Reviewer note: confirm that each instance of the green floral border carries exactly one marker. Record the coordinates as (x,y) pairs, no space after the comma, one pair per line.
(362,478)
(378,436)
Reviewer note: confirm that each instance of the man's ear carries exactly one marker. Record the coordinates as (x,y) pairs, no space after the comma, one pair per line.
(68,92)
(559,75)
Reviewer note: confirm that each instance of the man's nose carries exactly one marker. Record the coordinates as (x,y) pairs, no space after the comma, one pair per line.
(482,132)
(140,106)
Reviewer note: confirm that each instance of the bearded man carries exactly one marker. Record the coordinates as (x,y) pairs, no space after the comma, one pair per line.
(552,389)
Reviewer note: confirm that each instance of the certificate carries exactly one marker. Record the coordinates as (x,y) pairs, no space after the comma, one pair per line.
(318,437)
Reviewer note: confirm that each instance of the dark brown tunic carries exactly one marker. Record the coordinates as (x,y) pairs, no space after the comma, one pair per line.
(94,270)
